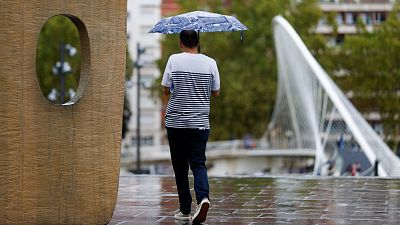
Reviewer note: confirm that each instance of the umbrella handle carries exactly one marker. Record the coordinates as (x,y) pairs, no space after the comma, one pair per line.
(241,36)
(198,38)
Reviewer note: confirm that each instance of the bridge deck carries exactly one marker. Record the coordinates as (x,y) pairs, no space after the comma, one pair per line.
(267,200)
(153,155)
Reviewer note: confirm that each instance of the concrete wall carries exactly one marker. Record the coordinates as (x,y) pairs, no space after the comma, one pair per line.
(260,165)
(59,164)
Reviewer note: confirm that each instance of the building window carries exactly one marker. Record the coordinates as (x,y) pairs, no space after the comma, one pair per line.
(339,39)
(339,19)
(355,17)
(147,9)
(380,17)
(349,18)
(369,19)
(144,141)
(363,17)
(323,21)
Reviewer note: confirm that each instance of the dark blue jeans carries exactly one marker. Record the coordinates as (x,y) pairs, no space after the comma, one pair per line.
(187,147)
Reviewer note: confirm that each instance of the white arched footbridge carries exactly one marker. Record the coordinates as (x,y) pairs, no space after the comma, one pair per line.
(311,112)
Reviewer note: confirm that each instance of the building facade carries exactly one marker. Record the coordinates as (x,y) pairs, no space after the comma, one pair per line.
(347,12)
(142,16)
(169,7)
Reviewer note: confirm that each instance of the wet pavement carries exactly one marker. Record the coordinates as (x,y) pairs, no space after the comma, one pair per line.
(149,199)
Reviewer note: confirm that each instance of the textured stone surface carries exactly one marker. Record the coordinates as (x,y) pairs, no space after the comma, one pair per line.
(60,164)
(279,200)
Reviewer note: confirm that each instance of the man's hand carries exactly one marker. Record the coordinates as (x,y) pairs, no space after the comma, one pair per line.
(166,90)
(215,93)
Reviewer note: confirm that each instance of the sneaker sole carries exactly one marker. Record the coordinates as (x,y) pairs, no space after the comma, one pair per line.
(201,217)
(181,219)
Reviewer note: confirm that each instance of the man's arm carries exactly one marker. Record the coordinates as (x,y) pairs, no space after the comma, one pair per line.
(166,90)
(215,93)
(215,88)
(166,81)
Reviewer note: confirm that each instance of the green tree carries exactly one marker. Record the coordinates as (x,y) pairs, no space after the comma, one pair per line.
(371,60)
(58,30)
(247,70)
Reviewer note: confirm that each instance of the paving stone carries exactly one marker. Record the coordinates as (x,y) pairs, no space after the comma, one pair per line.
(144,199)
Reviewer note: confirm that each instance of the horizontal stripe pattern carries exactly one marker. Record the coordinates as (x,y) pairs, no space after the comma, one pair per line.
(189,105)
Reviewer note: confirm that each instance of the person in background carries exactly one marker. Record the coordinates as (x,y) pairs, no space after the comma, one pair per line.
(191,78)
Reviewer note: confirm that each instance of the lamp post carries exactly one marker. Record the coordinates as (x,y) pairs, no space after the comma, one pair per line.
(138,66)
(62,67)
(61,73)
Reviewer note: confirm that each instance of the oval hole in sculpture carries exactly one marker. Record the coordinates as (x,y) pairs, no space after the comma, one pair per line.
(62,59)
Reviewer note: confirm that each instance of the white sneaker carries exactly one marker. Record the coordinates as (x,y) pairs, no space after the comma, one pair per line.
(182,217)
(201,211)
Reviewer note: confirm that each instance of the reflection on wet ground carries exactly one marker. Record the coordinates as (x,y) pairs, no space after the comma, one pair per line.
(267,200)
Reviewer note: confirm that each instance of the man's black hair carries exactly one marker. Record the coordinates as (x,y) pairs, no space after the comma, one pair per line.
(189,38)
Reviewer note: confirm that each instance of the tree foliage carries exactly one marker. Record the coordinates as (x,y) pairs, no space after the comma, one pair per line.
(57,30)
(247,70)
(372,63)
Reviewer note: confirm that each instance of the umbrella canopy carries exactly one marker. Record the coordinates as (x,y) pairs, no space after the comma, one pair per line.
(199,21)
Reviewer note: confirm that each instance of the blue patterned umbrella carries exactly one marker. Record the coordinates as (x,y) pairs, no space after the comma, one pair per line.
(199,21)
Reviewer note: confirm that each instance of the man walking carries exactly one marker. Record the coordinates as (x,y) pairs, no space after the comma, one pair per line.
(191,78)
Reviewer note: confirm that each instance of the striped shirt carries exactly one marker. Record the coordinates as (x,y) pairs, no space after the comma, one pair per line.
(190,77)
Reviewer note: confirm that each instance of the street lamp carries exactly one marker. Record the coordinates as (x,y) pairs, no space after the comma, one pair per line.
(62,67)
(138,65)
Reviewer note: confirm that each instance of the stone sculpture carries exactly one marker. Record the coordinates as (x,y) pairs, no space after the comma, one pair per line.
(59,164)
